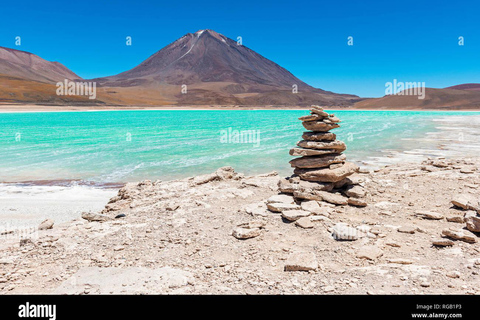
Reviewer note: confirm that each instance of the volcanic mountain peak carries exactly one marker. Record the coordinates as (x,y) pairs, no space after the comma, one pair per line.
(207,56)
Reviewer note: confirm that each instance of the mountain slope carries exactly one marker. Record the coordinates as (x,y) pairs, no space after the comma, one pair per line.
(466,86)
(21,64)
(447,99)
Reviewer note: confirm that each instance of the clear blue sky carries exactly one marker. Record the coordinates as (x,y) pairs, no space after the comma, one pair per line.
(404,40)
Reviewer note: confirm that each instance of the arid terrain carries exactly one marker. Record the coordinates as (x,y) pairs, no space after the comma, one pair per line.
(184,236)
(461,97)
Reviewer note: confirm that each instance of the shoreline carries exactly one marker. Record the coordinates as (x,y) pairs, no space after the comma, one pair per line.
(36,108)
(184,228)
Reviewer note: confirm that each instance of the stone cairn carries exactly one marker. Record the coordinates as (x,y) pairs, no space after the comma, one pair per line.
(322,172)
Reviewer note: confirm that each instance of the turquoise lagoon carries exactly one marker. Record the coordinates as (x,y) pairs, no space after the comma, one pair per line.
(113,147)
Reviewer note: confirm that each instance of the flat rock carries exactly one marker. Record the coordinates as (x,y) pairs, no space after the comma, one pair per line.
(332,119)
(329,289)
(319,218)
(205,178)
(466,201)
(369,252)
(456,219)
(319,126)
(46,224)
(295,184)
(315,208)
(257,209)
(318,161)
(406,229)
(301,261)
(304,223)
(245,233)
(355,191)
(281,198)
(280,206)
(252,224)
(393,244)
(335,165)
(327,175)
(307,195)
(473,223)
(400,261)
(453,274)
(319,136)
(313,117)
(92,216)
(293,215)
(357,202)
(462,235)
(429,215)
(319,145)
(443,242)
(319,111)
(310,152)
(354,179)
(334,198)
(467,170)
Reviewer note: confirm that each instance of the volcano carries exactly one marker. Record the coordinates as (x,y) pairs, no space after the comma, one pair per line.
(206,67)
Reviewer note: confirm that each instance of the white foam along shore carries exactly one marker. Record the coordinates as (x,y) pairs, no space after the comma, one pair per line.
(27,206)
(455,136)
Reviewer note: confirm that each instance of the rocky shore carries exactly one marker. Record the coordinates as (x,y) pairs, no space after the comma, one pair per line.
(225,233)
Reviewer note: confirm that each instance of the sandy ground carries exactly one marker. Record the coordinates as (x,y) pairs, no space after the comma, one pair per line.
(176,237)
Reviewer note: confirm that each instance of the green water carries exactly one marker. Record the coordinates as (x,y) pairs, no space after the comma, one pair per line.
(121,146)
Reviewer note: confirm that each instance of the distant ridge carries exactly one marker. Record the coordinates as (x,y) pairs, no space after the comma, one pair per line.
(466,86)
(22,64)
(460,97)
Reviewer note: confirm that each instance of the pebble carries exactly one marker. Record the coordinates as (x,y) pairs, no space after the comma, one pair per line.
(410,230)
(429,215)
(400,261)
(329,289)
(46,224)
(393,244)
(456,219)
(245,233)
(443,242)
(453,274)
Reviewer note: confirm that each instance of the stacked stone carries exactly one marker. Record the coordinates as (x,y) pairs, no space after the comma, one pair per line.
(322,172)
